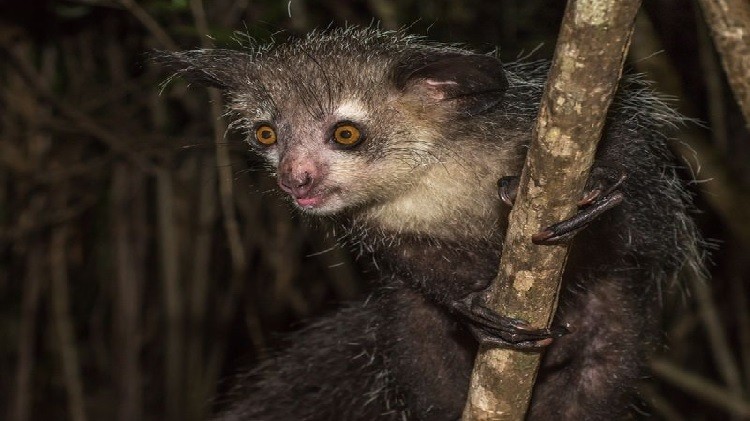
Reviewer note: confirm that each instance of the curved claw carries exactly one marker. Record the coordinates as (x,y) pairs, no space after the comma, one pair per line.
(507,188)
(486,338)
(603,196)
(592,196)
(490,328)
(567,229)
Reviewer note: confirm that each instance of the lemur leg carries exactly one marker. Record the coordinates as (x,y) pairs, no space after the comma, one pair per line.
(491,328)
(602,194)
(594,370)
(567,229)
(422,263)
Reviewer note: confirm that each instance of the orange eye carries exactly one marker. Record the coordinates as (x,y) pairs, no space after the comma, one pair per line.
(347,135)
(265,134)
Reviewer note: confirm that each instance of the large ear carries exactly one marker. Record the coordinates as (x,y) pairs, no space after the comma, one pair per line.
(217,68)
(477,82)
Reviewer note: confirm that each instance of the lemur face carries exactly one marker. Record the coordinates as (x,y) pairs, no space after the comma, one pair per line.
(349,124)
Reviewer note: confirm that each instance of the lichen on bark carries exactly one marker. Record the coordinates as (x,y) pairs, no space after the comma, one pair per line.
(588,61)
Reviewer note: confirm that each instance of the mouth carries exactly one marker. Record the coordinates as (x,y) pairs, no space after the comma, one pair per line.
(310,202)
(320,202)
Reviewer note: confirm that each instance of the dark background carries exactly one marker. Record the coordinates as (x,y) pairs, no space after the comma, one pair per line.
(144,257)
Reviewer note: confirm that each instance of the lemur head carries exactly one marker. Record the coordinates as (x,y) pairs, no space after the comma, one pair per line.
(349,118)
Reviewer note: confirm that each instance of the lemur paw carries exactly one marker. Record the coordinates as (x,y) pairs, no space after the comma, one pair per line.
(490,328)
(507,189)
(602,194)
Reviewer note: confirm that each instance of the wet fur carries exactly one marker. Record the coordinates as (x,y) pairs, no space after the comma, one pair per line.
(424,210)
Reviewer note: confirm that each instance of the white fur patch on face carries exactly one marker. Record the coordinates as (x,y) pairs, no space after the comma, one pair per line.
(352,110)
(261,114)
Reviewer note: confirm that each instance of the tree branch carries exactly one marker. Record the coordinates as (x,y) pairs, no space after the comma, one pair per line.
(729,21)
(593,39)
(701,388)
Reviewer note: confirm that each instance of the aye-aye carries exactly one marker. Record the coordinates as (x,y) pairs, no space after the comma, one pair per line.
(404,141)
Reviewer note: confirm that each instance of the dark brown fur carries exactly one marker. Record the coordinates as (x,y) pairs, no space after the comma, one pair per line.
(417,197)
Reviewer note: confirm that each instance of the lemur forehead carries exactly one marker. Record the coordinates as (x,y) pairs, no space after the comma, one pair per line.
(253,102)
(351,109)
(251,110)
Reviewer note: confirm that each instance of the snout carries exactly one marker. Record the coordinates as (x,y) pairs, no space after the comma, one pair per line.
(301,178)
(298,182)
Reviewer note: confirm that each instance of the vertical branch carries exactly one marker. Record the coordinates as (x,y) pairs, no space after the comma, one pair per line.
(709,65)
(286,242)
(741,298)
(127,215)
(701,388)
(78,119)
(226,197)
(30,303)
(729,21)
(169,256)
(594,37)
(199,387)
(37,266)
(720,192)
(723,193)
(223,161)
(127,290)
(717,338)
(150,24)
(64,324)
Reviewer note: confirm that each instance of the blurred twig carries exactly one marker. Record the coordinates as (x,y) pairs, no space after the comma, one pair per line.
(45,220)
(200,387)
(700,388)
(64,326)
(150,23)
(729,21)
(223,161)
(724,193)
(81,120)
(35,266)
(718,193)
(173,297)
(662,407)
(717,110)
(126,215)
(720,349)
(741,298)
(229,304)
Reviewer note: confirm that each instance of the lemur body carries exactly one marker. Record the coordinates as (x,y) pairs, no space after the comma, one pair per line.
(404,141)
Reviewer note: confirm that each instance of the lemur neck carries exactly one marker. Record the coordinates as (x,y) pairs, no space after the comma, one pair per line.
(451,200)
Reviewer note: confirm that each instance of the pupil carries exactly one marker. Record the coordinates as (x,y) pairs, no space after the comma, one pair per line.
(265,134)
(346,134)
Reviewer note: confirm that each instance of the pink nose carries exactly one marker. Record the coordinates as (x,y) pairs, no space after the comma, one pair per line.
(298,175)
(297,183)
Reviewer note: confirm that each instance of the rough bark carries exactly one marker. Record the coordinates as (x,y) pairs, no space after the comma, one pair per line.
(729,21)
(593,40)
